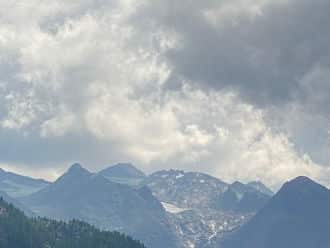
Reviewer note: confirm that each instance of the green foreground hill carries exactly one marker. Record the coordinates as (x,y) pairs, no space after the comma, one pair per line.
(19,231)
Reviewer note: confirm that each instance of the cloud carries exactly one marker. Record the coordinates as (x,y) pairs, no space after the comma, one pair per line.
(260,48)
(165,86)
(275,54)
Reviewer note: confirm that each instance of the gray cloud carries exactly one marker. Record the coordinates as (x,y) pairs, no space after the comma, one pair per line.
(275,54)
(264,53)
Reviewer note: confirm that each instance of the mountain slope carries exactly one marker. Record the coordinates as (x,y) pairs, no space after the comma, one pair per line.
(92,198)
(297,216)
(242,198)
(18,231)
(203,208)
(260,187)
(17,186)
(16,203)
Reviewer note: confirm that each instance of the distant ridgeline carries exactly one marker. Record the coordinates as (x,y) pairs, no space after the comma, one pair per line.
(19,231)
(167,209)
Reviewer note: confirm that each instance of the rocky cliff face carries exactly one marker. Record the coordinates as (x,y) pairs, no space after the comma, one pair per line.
(203,209)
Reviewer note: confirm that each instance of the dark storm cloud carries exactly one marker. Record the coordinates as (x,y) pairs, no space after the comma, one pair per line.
(264,55)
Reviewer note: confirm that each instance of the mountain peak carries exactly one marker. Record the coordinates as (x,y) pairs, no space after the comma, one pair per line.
(302,179)
(122,170)
(123,173)
(73,173)
(77,168)
(302,184)
(124,165)
(237,184)
(296,216)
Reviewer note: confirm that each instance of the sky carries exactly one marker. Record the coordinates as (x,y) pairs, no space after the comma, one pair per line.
(239,89)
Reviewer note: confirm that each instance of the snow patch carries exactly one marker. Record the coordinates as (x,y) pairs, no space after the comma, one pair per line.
(172,208)
(179,176)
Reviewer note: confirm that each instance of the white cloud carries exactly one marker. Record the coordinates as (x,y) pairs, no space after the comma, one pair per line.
(59,125)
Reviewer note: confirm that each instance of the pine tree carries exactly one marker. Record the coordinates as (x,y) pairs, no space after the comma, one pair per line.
(19,231)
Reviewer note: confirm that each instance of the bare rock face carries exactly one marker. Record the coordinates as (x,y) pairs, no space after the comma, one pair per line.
(203,209)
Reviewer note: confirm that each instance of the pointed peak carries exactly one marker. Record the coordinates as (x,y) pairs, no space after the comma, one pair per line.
(74,171)
(302,185)
(237,184)
(302,179)
(76,167)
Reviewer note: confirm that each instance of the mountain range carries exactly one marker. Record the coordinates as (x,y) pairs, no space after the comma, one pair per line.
(174,208)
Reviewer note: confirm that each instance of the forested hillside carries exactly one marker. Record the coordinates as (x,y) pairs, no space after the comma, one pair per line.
(19,231)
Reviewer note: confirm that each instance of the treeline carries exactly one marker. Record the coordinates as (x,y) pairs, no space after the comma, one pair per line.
(19,231)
